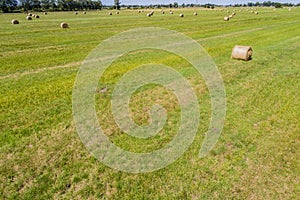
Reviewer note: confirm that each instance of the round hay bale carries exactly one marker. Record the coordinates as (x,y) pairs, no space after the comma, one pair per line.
(171,12)
(163,12)
(290,9)
(29,14)
(36,16)
(28,18)
(84,13)
(230,16)
(76,13)
(242,52)
(14,21)
(140,11)
(149,15)
(195,13)
(64,25)
(233,13)
(45,13)
(181,15)
(110,13)
(33,15)
(226,18)
(256,13)
(117,12)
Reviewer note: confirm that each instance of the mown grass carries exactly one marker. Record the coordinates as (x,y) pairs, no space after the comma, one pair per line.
(256,157)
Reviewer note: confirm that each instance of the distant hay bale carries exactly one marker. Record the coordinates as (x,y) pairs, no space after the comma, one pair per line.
(110,13)
(84,13)
(37,16)
(117,12)
(195,13)
(256,13)
(242,52)
(171,12)
(163,12)
(226,18)
(140,11)
(28,18)
(181,15)
(14,21)
(149,15)
(233,13)
(45,13)
(64,25)
(33,15)
(29,14)
(76,13)
(230,16)
(290,9)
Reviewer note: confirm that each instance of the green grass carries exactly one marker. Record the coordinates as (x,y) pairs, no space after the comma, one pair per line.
(256,157)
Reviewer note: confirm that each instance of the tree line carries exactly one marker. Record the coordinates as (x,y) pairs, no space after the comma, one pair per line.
(73,5)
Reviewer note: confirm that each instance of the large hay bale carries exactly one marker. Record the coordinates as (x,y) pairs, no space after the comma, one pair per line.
(233,13)
(14,21)
(45,13)
(195,13)
(29,14)
(117,12)
(256,13)
(230,16)
(64,25)
(76,13)
(226,18)
(37,16)
(28,18)
(149,14)
(181,15)
(84,13)
(242,52)
(110,13)
(171,12)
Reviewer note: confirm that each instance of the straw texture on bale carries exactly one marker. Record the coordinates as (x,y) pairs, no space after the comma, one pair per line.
(242,52)
(64,25)
(14,21)
(28,18)
(181,15)
(226,18)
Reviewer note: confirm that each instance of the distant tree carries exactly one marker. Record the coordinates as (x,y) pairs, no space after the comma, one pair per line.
(277,5)
(8,5)
(175,5)
(117,4)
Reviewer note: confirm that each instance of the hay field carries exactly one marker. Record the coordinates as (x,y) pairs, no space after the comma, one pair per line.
(256,157)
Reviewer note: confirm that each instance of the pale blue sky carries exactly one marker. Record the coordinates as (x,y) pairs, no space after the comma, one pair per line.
(219,2)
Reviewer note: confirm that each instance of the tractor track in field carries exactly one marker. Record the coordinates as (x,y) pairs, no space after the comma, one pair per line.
(36,71)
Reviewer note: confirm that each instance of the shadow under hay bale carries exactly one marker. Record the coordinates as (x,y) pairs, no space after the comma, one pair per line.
(242,52)
(14,21)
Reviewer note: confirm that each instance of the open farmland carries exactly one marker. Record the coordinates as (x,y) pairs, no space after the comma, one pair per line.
(256,157)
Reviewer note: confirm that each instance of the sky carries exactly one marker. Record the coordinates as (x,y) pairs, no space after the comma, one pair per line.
(218,2)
